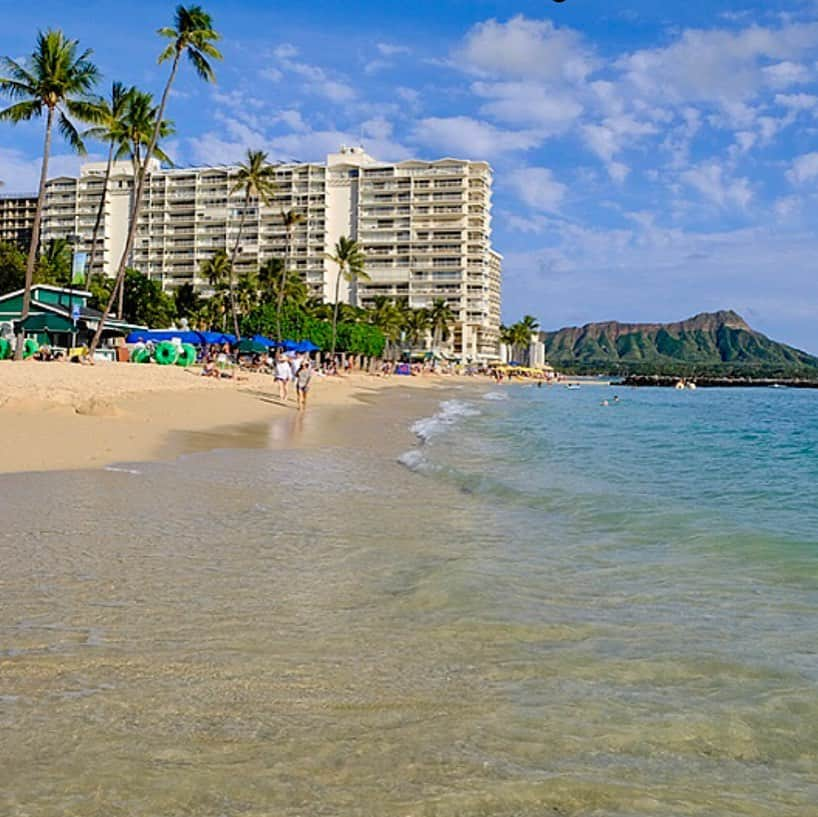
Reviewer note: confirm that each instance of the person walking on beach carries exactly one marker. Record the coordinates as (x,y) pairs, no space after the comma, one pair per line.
(284,374)
(302,384)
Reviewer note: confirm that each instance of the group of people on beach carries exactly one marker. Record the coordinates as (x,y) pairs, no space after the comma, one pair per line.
(286,368)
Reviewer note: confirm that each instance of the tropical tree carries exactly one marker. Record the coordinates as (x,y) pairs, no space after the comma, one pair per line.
(529,324)
(54,263)
(12,267)
(56,80)
(281,285)
(417,325)
(291,220)
(134,132)
(517,337)
(388,317)
(145,302)
(245,296)
(256,179)
(193,35)
(188,303)
(216,269)
(350,260)
(111,110)
(441,318)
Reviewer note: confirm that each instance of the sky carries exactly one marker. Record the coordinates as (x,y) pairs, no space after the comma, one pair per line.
(652,160)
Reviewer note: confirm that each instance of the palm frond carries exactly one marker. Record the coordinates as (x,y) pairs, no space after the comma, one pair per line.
(22,111)
(70,134)
(202,66)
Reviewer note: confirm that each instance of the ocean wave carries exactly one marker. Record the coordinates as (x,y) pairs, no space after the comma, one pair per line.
(450,412)
(115,469)
(415,461)
(495,395)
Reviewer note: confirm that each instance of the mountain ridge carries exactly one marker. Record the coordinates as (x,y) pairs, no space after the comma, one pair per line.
(719,342)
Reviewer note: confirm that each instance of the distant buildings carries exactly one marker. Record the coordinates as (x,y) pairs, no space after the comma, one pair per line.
(425,228)
(17,217)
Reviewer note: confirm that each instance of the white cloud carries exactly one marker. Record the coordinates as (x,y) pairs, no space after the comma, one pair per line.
(527,103)
(797,102)
(615,134)
(804,168)
(719,65)
(711,181)
(392,50)
(317,80)
(21,174)
(537,187)
(271,74)
(469,138)
(784,74)
(526,49)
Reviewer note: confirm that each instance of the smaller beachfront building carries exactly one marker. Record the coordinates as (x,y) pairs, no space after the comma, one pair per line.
(56,316)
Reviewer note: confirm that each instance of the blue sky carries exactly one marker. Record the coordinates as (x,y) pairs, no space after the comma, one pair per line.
(652,160)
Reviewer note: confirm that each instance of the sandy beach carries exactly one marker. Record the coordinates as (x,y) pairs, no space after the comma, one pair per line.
(58,416)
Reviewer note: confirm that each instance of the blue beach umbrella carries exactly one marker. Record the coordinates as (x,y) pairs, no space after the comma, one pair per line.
(307,346)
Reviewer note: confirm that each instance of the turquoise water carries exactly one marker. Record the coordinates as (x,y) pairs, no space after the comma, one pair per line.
(532,605)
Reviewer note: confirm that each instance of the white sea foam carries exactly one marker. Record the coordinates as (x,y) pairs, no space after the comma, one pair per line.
(495,395)
(450,412)
(117,470)
(414,460)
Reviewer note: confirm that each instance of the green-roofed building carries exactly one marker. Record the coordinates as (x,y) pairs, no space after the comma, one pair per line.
(55,314)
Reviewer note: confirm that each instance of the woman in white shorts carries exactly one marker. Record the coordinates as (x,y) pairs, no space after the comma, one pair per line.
(284,374)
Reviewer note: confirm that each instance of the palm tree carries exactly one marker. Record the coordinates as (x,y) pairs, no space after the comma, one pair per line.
(193,36)
(291,220)
(54,265)
(256,179)
(217,271)
(388,317)
(278,283)
(57,80)
(246,292)
(441,318)
(417,325)
(112,111)
(529,324)
(350,260)
(136,128)
(133,132)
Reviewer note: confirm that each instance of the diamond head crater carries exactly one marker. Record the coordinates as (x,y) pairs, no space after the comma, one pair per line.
(718,346)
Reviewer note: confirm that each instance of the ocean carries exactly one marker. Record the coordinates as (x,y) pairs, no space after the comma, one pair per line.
(523,602)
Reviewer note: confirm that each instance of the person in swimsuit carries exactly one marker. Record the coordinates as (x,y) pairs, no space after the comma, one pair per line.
(302,383)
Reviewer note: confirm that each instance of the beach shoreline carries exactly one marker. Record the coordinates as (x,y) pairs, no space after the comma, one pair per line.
(58,416)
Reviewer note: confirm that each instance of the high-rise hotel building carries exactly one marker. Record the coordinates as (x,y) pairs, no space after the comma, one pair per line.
(17,218)
(425,228)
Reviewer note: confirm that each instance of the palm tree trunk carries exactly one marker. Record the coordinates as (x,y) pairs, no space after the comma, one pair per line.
(137,204)
(282,283)
(233,257)
(335,310)
(100,211)
(35,234)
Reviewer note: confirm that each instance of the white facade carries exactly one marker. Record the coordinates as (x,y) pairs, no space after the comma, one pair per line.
(425,228)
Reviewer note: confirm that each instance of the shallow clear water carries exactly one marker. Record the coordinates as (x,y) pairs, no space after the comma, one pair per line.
(544,606)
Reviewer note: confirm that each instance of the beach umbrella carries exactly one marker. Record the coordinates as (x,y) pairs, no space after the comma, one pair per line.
(219,338)
(288,345)
(307,346)
(266,342)
(250,346)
